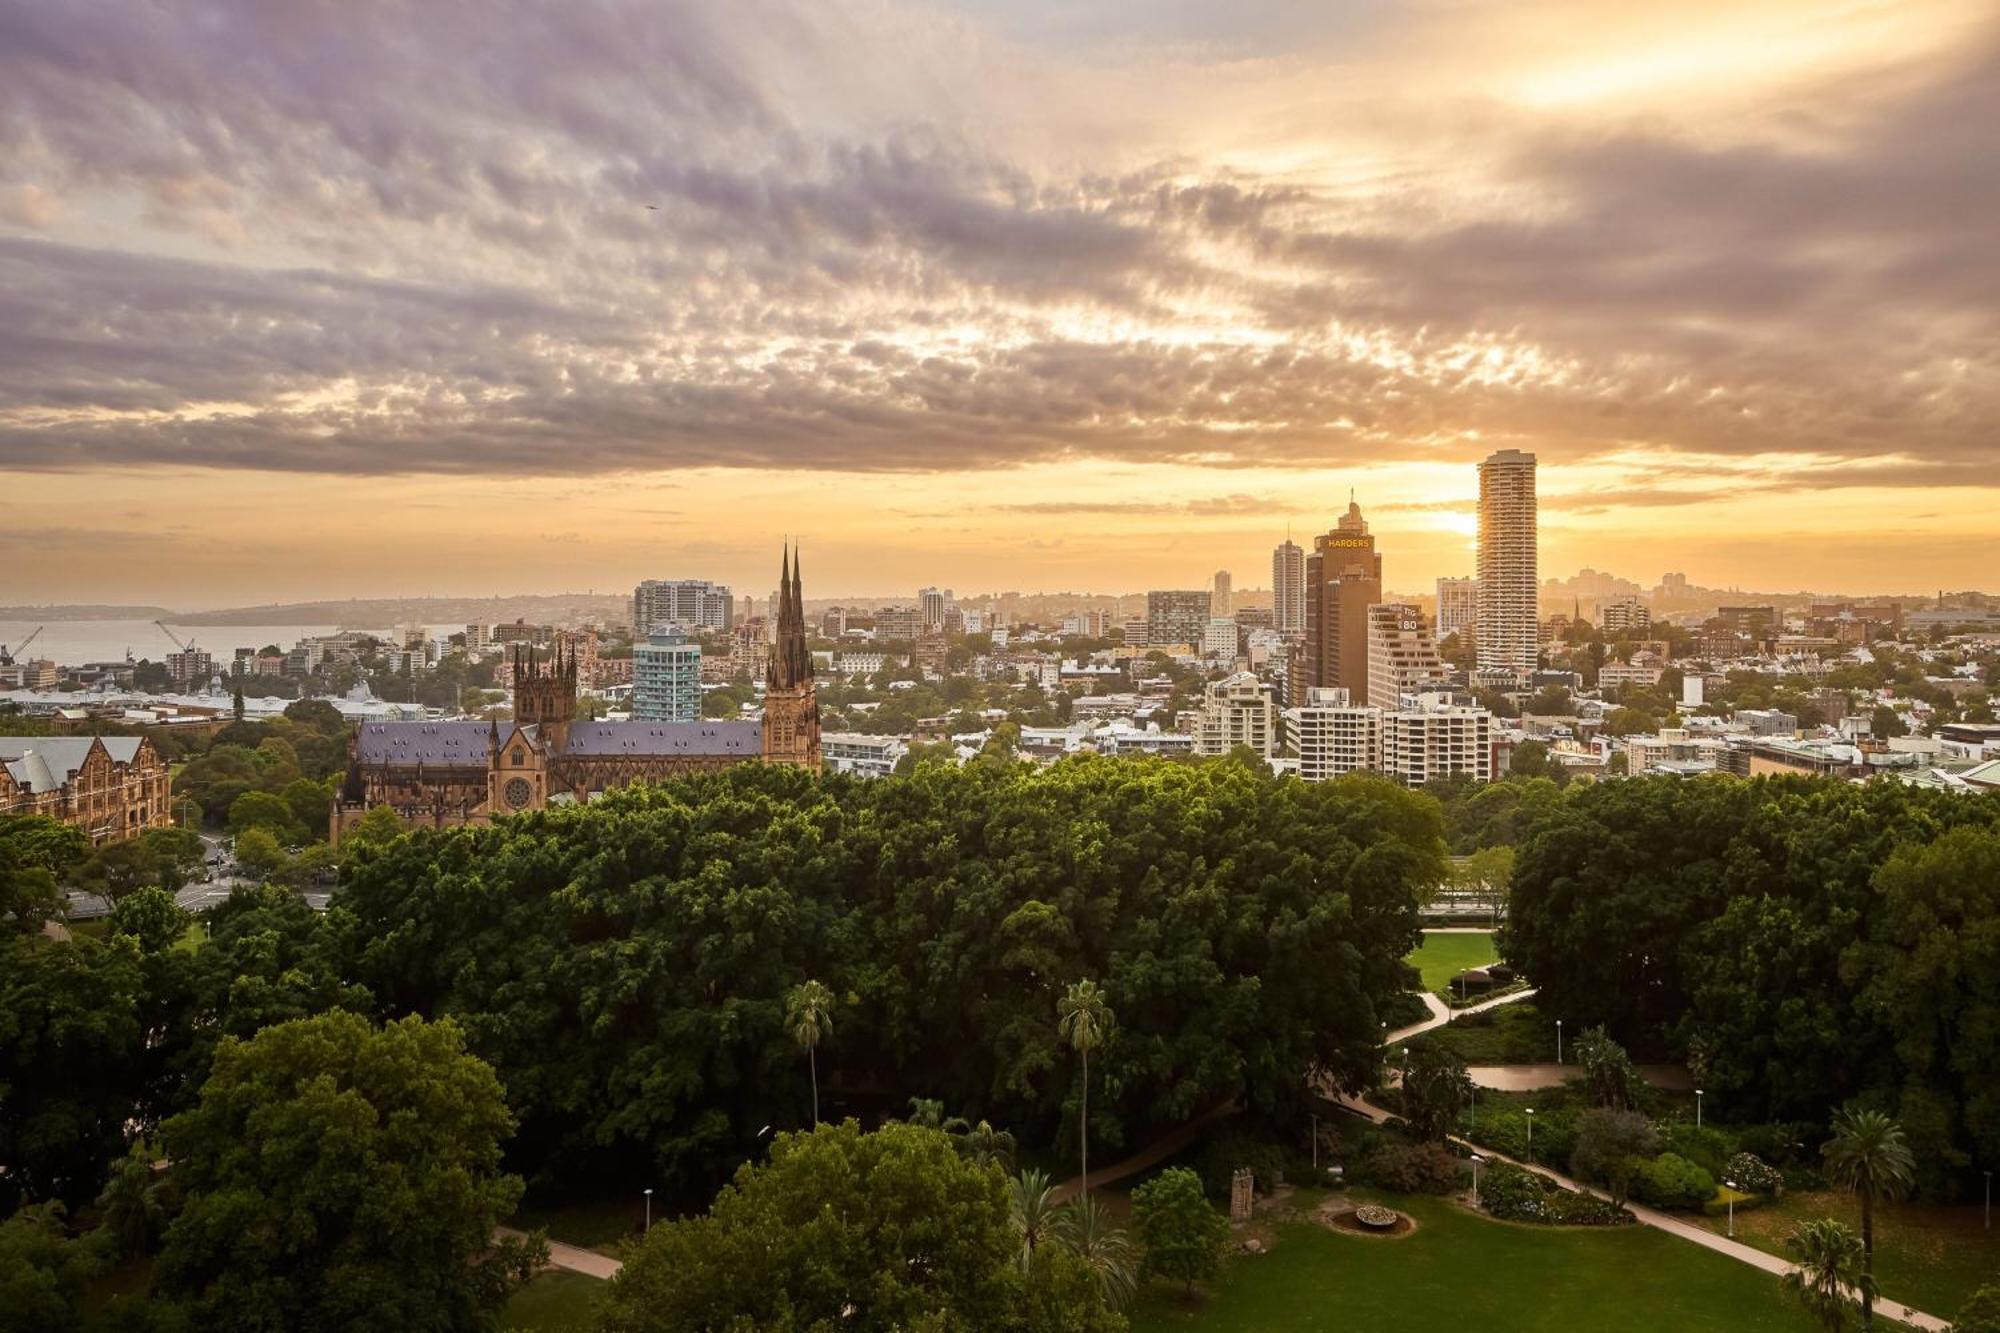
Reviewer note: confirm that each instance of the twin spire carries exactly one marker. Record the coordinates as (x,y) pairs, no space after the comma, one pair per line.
(791,663)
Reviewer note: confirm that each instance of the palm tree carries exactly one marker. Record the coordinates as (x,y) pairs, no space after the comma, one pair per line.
(1869,1155)
(1829,1260)
(810,1013)
(984,1145)
(1082,1017)
(1107,1250)
(927,1112)
(1032,1207)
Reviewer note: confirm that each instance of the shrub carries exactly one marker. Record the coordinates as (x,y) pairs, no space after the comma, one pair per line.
(1753,1175)
(1672,1181)
(1223,1153)
(1514,1194)
(1707,1148)
(1421,1168)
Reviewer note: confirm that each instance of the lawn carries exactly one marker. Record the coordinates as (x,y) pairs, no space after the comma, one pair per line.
(553,1301)
(1459,1272)
(1511,1034)
(1930,1256)
(1443,956)
(591,1224)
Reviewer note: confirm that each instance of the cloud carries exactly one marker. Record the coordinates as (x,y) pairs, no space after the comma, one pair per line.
(376,239)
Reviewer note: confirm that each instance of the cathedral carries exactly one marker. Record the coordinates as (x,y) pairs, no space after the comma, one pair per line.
(442,774)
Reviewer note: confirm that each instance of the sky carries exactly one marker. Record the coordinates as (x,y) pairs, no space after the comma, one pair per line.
(312,298)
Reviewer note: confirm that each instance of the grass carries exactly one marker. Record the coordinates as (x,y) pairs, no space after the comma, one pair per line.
(1459,1271)
(1511,1034)
(553,1301)
(1932,1256)
(591,1224)
(1443,956)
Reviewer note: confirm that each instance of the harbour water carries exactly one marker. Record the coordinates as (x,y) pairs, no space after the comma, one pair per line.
(75,642)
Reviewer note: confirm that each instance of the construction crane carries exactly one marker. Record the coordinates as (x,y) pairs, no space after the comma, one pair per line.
(7,659)
(187,647)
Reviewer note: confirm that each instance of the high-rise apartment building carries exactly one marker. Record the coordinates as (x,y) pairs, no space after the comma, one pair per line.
(1402,658)
(1343,579)
(1626,615)
(1334,735)
(1221,599)
(1176,617)
(478,640)
(1219,638)
(693,604)
(1508,565)
(666,677)
(1458,607)
(1288,587)
(1437,739)
(899,623)
(930,605)
(1238,710)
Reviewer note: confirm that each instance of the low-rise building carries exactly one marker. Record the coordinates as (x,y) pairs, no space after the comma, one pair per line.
(861,754)
(111,787)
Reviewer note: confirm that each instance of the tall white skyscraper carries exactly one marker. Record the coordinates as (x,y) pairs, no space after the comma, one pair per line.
(1288,587)
(1458,607)
(1219,600)
(1508,564)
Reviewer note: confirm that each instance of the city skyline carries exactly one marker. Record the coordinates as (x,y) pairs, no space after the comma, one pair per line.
(1094,298)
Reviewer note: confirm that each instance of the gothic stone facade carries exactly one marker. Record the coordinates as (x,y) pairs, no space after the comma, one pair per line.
(448,773)
(111,787)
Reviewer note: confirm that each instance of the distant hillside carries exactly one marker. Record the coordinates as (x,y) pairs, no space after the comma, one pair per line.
(383,612)
(38,614)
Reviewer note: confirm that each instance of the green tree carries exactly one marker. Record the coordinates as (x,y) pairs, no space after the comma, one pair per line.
(1980,1314)
(1608,1071)
(1611,1145)
(136,1203)
(836,1228)
(1435,1091)
(337,1175)
(1885,723)
(1033,1213)
(268,811)
(1105,1248)
(259,852)
(1829,1263)
(1083,1018)
(44,1273)
(1181,1231)
(1869,1155)
(151,918)
(984,1145)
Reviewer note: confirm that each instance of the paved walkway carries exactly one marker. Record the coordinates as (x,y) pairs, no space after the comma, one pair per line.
(572,1259)
(1666,1222)
(1152,1154)
(1535,1077)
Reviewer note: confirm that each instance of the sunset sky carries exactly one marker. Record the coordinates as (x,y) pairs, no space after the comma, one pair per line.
(351,297)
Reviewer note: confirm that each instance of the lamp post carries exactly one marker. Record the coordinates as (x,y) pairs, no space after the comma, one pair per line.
(1476,1160)
(1989,1200)
(1697,1108)
(1531,1133)
(1730,1185)
(1315,1120)
(1559,1041)
(1474,1127)
(1406,1068)
(649,1210)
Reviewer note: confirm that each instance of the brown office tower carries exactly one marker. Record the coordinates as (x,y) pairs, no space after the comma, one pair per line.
(1343,579)
(791,709)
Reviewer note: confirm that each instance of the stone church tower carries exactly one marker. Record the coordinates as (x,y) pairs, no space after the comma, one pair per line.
(545,697)
(791,708)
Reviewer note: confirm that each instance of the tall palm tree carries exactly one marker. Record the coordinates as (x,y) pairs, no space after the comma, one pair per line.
(809,1011)
(1106,1249)
(1869,1154)
(1032,1208)
(1828,1254)
(1082,1018)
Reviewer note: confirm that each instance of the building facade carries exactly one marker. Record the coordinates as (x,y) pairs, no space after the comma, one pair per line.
(666,677)
(111,787)
(1237,710)
(1402,659)
(1437,739)
(1509,566)
(1288,587)
(1458,607)
(1176,617)
(1334,735)
(443,774)
(693,604)
(1222,594)
(1343,578)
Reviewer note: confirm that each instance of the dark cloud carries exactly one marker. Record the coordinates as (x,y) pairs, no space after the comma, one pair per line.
(513,238)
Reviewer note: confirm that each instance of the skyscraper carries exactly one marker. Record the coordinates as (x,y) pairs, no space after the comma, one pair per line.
(1458,607)
(1219,601)
(1401,656)
(1508,567)
(666,677)
(931,604)
(1288,587)
(1343,579)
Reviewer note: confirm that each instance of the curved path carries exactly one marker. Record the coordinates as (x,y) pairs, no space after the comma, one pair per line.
(1674,1226)
(572,1258)
(1152,1154)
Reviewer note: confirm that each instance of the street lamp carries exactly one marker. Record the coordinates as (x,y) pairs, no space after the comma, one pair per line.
(1559,1041)
(1989,1200)
(1730,1185)
(1315,1131)
(1697,1108)
(1531,1133)
(1476,1160)
(649,1209)
(1406,1067)
(1474,1127)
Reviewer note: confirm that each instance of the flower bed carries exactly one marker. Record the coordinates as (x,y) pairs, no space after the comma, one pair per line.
(1516,1195)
